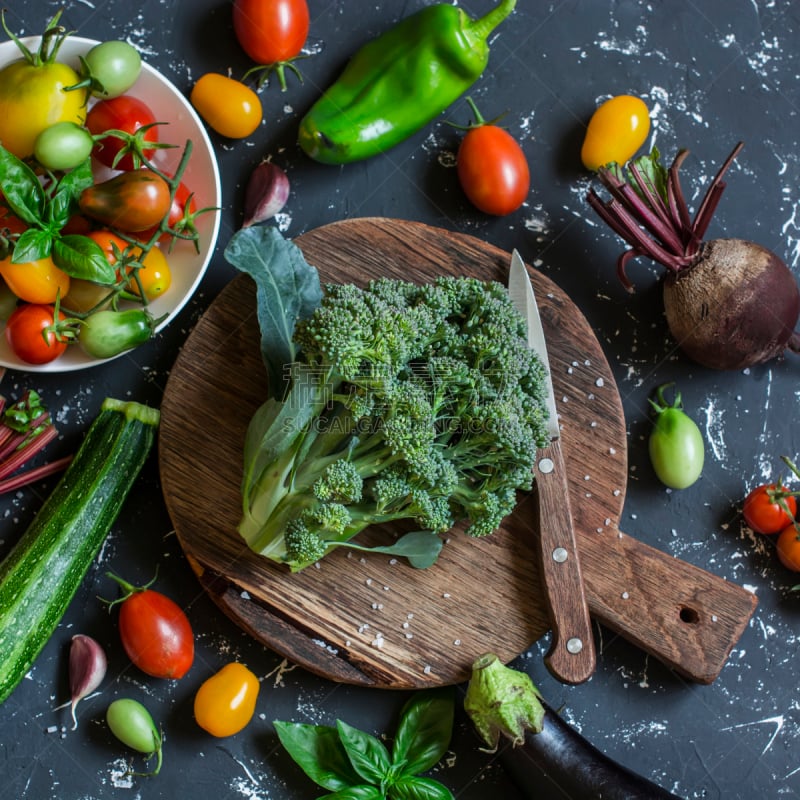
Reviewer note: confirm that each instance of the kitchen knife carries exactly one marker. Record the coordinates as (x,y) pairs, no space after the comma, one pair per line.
(571,657)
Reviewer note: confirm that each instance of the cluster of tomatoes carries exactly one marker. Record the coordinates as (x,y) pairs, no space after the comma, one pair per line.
(771,509)
(83,209)
(158,639)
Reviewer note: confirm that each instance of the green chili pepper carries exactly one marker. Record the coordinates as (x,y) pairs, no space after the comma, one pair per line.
(397,83)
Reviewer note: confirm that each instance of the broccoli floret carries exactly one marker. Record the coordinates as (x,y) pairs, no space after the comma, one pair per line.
(409,402)
(340,482)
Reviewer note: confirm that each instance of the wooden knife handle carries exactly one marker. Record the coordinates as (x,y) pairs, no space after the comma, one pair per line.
(571,657)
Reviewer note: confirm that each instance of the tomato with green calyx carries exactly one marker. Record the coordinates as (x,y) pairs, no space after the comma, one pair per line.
(63,146)
(769,508)
(110,68)
(32,92)
(272,33)
(133,725)
(131,201)
(107,333)
(227,105)
(225,703)
(617,129)
(181,218)
(156,633)
(39,281)
(492,168)
(676,446)
(132,129)
(33,334)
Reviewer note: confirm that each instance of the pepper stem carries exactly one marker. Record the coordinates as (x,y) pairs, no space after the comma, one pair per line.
(480,28)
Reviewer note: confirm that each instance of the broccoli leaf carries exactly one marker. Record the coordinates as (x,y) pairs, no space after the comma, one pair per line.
(287,290)
(421,548)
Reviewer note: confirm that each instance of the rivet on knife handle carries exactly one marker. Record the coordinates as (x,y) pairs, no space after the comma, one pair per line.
(571,657)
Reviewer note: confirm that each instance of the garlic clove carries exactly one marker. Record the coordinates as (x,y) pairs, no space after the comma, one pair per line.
(87,668)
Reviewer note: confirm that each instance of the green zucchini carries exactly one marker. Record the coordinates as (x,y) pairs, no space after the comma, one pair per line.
(41,574)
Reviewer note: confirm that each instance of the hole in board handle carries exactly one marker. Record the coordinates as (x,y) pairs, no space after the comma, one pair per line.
(689,616)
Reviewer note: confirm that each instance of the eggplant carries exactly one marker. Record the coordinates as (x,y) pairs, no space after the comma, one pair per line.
(503,702)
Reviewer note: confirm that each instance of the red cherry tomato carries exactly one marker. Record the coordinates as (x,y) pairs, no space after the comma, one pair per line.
(31,336)
(156,633)
(492,168)
(271,31)
(124,113)
(764,513)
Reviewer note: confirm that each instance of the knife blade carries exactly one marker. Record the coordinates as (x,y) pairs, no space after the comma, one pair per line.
(571,657)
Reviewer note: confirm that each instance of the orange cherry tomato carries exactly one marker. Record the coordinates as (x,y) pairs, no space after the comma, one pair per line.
(39,281)
(788,548)
(227,105)
(617,129)
(225,702)
(765,508)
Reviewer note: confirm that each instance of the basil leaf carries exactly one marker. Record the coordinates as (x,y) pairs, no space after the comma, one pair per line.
(81,257)
(77,179)
(357,793)
(411,788)
(23,193)
(287,289)
(316,749)
(367,754)
(32,245)
(425,730)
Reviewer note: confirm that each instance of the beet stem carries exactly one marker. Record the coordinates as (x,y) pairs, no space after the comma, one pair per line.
(712,191)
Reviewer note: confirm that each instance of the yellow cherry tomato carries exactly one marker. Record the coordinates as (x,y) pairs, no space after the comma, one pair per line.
(154,275)
(227,105)
(225,702)
(617,129)
(32,98)
(38,282)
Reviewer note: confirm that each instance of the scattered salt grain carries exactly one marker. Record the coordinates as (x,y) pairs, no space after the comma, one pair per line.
(625,595)
(599,383)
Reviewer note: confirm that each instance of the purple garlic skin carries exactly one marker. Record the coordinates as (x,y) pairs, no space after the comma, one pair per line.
(87,668)
(266,193)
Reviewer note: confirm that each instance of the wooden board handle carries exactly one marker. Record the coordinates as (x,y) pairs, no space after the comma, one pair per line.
(683,615)
(571,657)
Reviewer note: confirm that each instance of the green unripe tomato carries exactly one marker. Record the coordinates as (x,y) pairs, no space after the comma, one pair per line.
(112,68)
(63,146)
(677,449)
(108,333)
(132,724)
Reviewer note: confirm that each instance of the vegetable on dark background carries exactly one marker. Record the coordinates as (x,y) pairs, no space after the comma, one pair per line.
(41,574)
(504,704)
(492,168)
(398,82)
(359,765)
(272,33)
(676,446)
(729,303)
(266,193)
(87,668)
(616,130)
(155,631)
(133,725)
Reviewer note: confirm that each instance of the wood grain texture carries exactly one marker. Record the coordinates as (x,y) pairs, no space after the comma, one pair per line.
(373,620)
(571,657)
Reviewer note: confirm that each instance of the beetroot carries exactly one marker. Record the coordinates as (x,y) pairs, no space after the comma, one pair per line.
(729,303)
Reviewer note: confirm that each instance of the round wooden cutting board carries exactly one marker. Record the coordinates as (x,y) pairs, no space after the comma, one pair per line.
(371,619)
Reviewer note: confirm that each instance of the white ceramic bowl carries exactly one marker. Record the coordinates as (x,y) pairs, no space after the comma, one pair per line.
(201,176)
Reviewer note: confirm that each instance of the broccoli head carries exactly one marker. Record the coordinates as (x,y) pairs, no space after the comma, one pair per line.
(424,404)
